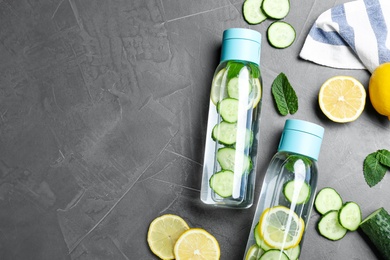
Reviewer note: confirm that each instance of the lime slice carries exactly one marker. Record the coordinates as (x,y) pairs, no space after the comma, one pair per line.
(218,89)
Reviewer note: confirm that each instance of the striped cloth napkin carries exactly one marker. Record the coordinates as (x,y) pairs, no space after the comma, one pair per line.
(354,35)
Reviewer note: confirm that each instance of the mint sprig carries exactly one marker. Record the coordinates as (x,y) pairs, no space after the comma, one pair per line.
(234,69)
(284,95)
(375,166)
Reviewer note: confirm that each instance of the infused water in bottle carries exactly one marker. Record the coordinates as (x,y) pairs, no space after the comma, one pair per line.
(287,194)
(233,122)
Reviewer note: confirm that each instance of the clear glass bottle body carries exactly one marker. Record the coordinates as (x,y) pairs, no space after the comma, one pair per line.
(232,135)
(284,168)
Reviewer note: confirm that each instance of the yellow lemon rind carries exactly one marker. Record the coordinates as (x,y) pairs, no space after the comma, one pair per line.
(328,113)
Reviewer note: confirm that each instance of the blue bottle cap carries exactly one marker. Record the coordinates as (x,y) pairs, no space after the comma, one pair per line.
(301,137)
(241,44)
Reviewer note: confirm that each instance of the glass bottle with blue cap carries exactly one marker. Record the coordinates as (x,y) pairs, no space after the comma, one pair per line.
(287,194)
(233,122)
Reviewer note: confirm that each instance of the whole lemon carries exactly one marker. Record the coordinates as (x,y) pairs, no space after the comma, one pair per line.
(379,89)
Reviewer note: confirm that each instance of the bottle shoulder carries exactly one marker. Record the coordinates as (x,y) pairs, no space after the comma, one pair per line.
(237,68)
(292,161)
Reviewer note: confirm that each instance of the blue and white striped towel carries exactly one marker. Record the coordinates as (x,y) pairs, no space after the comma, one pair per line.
(354,35)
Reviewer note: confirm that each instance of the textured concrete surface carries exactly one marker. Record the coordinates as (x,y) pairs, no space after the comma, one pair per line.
(103,114)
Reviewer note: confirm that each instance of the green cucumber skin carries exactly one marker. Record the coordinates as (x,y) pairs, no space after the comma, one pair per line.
(223,187)
(318,203)
(289,197)
(346,224)
(326,221)
(274,254)
(377,228)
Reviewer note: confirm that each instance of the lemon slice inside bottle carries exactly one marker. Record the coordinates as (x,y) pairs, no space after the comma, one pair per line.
(218,87)
(256,92)
(281,228)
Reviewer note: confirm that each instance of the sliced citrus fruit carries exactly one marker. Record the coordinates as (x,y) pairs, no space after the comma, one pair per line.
(281,227)
(379,89)
(342,98)
(163,233)
(197,243)
(256,92)
(218,87)
(254,252)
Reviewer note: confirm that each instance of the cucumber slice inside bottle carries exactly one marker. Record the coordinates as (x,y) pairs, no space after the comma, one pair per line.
(276,9)
(235,86)
(281,34)
(293,253)
(228,158)
(252,11)
(225,133)
(298,191)
(274,254)
(222,183)
(228,109)
(350,216)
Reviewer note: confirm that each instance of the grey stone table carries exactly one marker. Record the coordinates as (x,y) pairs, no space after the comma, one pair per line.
(103,114)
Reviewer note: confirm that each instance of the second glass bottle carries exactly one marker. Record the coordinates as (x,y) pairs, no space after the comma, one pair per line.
(233,122)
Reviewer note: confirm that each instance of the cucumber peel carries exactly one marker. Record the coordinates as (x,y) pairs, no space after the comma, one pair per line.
(377,228)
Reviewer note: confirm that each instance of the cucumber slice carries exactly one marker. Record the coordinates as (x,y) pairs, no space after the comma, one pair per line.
(328,199)
(281,34)
(329,226)
(252,12)
(235,86)
(248,138)
(222,183)
(259,241)
(297,191)
(227,158)
(228,109)
(350,216)
(377,228)
(225,133)
(276,9)
(274,254)
(293,253)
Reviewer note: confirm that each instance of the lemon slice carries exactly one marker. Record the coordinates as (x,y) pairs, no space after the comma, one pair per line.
(342,99)
(281,227)
(197,243)
(256,92)
(218,87)
(163,233)
(254,252)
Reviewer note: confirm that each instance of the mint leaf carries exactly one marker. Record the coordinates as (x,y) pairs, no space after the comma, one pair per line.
(255,72)
(383,157)
(293,158)
(373,170)
(284,95)
(233,69)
